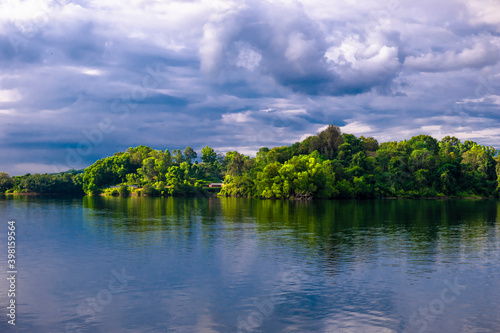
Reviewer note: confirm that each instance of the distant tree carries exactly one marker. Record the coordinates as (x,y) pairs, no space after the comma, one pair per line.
(310,144)
(6,182)
(305,176)
(108,171)
(355,143)
(209,156)
(123,190)
(167,158)
(148,170)
(451,141)
(178,157)
(189,154)
(449,150)
(148,190)
(220,158)
(498,175)
(237,164)
(424,141)
(228,158)
(239,186)
(133,179)
(421,159)
(370,144)
(327,165)
(138,154)
(478,159)
(62,183)
(261,156)
(280,154)
(331,138)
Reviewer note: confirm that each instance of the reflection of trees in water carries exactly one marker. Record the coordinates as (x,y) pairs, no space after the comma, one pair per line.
(346,247)
(336,230)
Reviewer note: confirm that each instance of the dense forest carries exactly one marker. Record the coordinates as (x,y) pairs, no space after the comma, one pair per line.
(327,165)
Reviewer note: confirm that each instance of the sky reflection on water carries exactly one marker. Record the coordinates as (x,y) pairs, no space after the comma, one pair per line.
(223,265)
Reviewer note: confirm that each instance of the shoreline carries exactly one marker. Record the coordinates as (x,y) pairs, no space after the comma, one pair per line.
(215,195)
(46,194)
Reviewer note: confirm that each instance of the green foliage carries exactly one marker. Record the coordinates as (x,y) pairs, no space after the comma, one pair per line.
(208,155)
(237,186)
(305,176)
(189,154)
(178,157)
(108,171)
(148,171)
(326,142)
(479,160)
(327,165)
(149,190)
(424,142)
(123,190)
(180,181)
(370,144)
(62,183)
(137,155)
(238,164)
(133,178)
(6,182)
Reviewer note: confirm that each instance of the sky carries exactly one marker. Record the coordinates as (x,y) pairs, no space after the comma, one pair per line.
(81,80)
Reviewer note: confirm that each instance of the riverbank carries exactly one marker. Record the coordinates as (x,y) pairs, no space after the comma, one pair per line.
(214,193)
(43,194)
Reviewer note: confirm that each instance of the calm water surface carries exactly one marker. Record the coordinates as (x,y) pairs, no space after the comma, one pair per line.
(241,265)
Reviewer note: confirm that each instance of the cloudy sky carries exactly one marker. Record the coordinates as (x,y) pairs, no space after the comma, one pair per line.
(80,80)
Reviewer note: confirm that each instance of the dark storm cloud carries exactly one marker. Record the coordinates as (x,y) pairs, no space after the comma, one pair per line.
(290,47)
(81,80)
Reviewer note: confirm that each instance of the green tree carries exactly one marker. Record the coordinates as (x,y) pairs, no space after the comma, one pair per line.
(330,139)
(133,179)
(160,167)
(108,171)
(167,158)
(424,141)
(305,176)
(421,159)
(148,169)
(178,157)
(189,154)
(236,166)
(478,159)
(238,186)
(261,156)
(138,154)
(369,144)
(149,190)
(123,190)
(208,155)
(6,182)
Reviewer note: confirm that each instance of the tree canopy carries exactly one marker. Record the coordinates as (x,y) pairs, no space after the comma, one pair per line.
(330,164)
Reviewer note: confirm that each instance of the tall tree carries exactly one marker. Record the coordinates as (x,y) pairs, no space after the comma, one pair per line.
(370,144)
(236,165)
(6,182)
(331,139)
(189,154)
(178,157)
(148,170)
(208,155)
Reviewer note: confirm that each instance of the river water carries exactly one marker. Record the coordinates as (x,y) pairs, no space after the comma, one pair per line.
(107,264)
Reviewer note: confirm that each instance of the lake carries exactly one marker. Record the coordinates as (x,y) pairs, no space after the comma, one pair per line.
(110,264)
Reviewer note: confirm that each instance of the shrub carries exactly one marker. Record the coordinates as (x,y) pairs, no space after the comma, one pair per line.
(123,190)
(148,189)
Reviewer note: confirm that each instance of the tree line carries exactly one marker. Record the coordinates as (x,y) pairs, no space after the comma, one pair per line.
(330,164)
